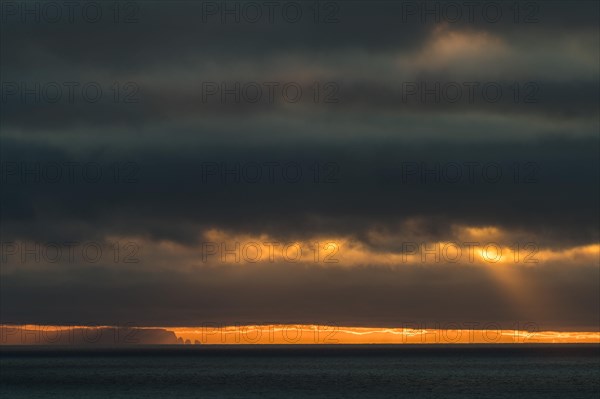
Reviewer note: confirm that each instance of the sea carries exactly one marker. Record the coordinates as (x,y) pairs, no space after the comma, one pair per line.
(302,371)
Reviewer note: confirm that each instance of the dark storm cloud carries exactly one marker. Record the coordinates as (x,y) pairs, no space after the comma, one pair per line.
(541,186)
(178,27)
(370,54)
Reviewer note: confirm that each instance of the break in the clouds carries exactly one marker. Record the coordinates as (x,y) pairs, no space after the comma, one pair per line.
(367,124)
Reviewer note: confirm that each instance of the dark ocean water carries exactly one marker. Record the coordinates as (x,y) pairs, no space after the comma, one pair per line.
(540,371)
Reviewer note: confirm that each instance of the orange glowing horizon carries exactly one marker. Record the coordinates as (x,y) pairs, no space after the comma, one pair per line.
(278,334)
(311,334)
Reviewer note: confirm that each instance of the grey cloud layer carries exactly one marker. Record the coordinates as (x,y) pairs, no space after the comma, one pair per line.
(287,293)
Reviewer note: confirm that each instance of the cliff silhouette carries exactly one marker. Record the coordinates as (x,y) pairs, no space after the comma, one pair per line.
(108,336)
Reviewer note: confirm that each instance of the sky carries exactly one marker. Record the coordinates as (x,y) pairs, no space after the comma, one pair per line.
(351,163)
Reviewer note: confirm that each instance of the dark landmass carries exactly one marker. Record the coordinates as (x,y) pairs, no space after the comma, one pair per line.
(103,336)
